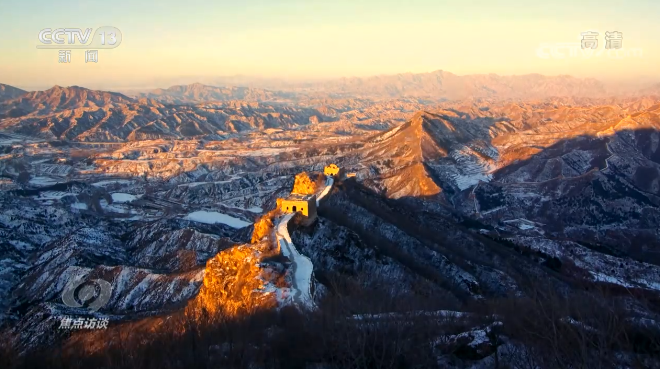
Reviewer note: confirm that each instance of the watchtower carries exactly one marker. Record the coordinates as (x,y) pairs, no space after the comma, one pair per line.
(305,204)
(331,170)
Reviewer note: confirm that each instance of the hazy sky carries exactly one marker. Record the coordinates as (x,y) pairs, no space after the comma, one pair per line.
(167,39)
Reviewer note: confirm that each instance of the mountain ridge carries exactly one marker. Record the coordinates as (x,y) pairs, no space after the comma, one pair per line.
(198,92)
(8,92)
(57,98)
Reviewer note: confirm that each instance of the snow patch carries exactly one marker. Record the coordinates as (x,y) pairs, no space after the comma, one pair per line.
(43,181)
(109,182)
(212,217)
(600,277)
(79,206)
(123,197)
(52,195)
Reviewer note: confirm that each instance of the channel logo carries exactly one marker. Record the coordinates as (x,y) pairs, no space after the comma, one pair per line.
(77,38)
(92,294)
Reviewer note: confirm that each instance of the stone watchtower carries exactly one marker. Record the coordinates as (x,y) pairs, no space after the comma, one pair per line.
(331,170)
(305,204)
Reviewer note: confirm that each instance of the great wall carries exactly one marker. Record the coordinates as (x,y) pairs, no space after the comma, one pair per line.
(303,269)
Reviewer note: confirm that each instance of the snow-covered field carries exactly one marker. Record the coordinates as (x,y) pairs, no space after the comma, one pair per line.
(44,181)
(111,181)
(252,209)
(524,224)
(258,152)
(470,169)
(114,208)
(79,206)
(212,217)
(51,169)
(123,197)
(52,195)
(439,314)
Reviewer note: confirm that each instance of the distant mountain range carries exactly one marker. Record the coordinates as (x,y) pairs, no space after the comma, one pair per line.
(445,85)
(197,92)
(59,98)
(78,114)
(651,90)
(9,92)
(434,86)
(198,110)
